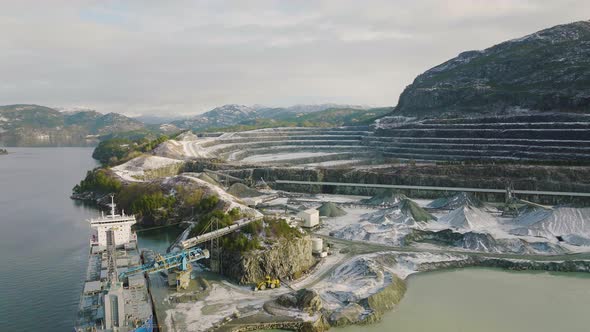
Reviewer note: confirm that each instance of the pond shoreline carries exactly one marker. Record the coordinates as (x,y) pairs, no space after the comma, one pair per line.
(474,299)
(390,297)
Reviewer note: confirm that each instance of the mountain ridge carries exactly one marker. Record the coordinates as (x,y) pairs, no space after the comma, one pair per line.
(235,114)
(30,124)
(548,70)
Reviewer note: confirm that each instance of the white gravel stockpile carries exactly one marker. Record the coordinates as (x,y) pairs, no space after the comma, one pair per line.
(558,222)
(470,218)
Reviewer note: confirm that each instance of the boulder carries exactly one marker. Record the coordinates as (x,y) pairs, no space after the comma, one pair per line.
(351,314)
(309,301)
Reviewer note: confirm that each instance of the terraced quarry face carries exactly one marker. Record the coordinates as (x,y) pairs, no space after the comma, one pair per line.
(525,137)
(278,146)
(529,137)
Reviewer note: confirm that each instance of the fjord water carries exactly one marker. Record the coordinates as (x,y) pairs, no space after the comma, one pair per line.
(44,237)
(490,300)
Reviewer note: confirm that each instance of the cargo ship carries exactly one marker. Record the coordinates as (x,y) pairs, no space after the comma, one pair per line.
(108,304)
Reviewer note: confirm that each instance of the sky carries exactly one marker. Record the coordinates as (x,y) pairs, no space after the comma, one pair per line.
(186,57)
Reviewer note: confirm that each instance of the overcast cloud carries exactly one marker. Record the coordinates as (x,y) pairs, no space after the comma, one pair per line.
(176,57)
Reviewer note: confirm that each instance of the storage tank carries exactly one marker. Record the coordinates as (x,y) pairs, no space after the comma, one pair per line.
(317,245)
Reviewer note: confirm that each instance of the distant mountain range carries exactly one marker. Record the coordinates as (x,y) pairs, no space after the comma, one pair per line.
(34,125)
(158,119)
(232,114)
(546,71)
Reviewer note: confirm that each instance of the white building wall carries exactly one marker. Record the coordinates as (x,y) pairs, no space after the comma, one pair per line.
(311,217)
(122,233)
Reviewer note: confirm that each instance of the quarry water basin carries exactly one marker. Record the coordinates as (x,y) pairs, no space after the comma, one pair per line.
(484,299)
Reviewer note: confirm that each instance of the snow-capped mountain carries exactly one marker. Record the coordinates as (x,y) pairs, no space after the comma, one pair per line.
(233,114)
(24,124)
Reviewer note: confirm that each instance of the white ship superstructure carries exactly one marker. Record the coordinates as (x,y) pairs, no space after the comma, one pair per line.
(119,224)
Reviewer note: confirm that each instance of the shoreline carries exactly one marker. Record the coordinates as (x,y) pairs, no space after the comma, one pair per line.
(391,295)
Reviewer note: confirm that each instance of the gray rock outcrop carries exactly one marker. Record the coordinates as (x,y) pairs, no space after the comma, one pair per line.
(285,259)
(546,70)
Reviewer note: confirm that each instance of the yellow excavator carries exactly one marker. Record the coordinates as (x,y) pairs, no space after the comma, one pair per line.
(268,283)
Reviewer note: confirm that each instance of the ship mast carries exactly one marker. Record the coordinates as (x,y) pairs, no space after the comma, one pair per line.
(112,205)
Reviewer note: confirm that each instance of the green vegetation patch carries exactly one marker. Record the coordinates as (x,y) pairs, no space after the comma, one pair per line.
(387,196)
(279,228)
(410,207)
(112,150)
(98,180)
(170,170)
(240,242)
(241,190)
(248,238)
(209,179)
(150,202)
(116,150)
(457,200)
(215,219)
(327,118)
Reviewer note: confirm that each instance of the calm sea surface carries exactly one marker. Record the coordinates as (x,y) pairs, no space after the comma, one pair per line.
(44,237)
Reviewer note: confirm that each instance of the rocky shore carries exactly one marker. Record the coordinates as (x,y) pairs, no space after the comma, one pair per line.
(305,310)
(510,264)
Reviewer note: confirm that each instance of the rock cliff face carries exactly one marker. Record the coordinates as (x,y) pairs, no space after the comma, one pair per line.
(547,70)
(549,178)
(285,259)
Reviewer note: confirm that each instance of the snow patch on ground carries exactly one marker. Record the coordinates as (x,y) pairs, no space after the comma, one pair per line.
(353,217)
(409,263)
(233,201)
(362,276)
(187,145)
(285,156)
(334,198)
(322,267)
(386,226)
(535,232)
(204,314)
(136,167)
(334,162)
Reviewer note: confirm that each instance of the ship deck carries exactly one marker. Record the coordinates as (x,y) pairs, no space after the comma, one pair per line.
(137,307)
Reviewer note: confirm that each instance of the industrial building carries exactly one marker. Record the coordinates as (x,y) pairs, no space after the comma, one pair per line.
(310,217)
